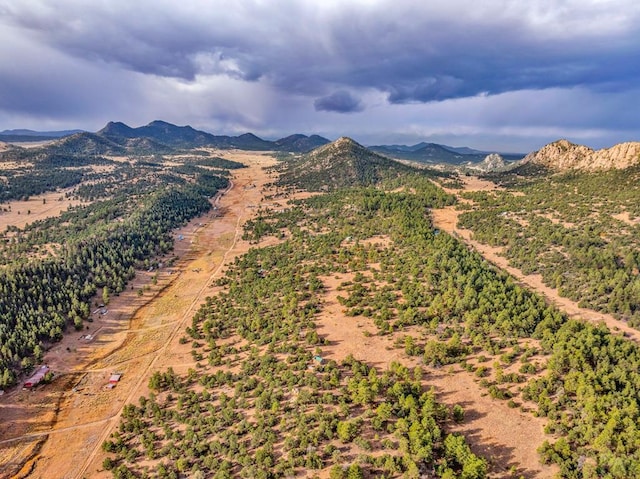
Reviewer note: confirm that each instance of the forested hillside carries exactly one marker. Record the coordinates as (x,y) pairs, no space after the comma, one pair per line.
(52,268)
(580,231)
(339,164)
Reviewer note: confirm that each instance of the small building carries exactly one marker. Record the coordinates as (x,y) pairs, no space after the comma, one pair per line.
(318,359)
(38,376)
(115,378)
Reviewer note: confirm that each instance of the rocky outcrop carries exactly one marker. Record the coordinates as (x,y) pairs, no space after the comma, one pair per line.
(563,155)
(492,162)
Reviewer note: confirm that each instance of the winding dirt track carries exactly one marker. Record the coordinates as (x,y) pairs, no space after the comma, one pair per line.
(446,219)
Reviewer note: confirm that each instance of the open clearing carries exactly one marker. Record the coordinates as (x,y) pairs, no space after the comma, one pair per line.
(39,207)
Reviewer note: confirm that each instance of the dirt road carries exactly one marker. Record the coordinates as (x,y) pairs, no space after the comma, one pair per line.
(64,440)
(446,219)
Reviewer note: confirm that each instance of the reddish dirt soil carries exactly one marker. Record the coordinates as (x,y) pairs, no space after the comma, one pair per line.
(507,436)
(57,430)
(626,218)
(447,218)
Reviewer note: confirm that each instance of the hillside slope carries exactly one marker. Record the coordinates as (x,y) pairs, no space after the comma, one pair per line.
(341,163)
(563,155)
(96,144)
(86,144)
(434,153)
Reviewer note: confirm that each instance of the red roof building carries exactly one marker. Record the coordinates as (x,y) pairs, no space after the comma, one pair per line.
(37,377)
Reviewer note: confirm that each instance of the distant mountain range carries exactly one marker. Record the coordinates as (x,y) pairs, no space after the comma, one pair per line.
(160,137)
(435,154)
(30,135)
(463,150)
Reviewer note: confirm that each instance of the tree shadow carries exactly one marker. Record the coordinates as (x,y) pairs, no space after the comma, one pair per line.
(499,455)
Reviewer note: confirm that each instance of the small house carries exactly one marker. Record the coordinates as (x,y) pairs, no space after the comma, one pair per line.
(38,376)
(114,378)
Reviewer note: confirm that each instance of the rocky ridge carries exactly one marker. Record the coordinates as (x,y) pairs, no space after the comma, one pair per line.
(493,161)
(563,155)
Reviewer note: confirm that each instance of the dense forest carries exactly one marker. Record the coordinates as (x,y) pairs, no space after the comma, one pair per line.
(52,268)
(580,231)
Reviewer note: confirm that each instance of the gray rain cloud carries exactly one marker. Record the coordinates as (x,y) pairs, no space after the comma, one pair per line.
(328,57)
(340,101)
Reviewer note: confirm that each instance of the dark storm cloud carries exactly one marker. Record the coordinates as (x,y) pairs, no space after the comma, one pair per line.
(340,102)
(42,81)
(410,51)
(556,66)
(160,38)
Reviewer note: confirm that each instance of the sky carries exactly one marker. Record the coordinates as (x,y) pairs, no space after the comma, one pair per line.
(507,75)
